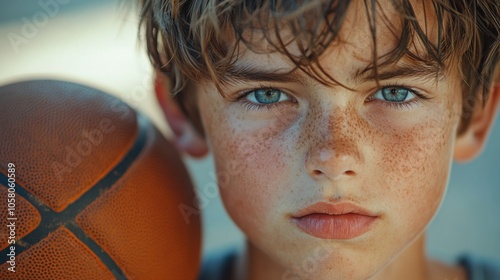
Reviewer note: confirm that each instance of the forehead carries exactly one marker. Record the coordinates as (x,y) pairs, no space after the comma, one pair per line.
(364,29)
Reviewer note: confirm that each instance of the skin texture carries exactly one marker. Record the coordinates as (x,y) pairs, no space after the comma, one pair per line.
(334,144)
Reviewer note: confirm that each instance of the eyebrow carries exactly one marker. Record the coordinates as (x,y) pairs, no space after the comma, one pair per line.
(249,73)
(252,73)
(398,71)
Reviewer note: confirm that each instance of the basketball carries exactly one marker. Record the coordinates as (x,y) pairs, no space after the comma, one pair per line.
(90,189)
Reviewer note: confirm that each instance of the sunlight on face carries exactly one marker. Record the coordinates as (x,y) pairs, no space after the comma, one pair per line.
(296,142)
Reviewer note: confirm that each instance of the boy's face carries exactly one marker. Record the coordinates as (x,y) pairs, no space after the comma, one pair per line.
(387,151)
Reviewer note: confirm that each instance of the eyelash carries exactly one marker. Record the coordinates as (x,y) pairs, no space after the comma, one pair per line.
(248,105)
(253,106)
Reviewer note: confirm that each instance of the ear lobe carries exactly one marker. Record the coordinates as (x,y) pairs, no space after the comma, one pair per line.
(185,136)
(472,141)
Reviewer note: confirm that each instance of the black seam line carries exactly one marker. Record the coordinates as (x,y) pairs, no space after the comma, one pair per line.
(51,220)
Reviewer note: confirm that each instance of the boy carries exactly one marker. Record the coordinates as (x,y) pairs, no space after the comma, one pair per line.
(333,123)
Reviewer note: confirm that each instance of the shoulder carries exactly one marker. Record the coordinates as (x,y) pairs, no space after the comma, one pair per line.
(218,264)
(479,268)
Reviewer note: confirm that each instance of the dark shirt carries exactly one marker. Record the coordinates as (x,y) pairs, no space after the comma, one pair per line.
(219,266)
(479,268)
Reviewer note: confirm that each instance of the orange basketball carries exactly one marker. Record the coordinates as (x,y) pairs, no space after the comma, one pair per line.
(89,189)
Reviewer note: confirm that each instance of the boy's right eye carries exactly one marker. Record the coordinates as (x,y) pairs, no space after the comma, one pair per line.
(266,96)
(263,98)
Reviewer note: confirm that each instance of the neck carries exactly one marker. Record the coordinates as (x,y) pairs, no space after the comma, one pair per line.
(411,264)
(260,266)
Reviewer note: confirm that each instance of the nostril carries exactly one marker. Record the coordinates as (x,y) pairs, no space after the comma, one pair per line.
(317,172)
(348,172)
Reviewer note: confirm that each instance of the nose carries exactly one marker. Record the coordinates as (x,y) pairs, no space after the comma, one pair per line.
(335,153)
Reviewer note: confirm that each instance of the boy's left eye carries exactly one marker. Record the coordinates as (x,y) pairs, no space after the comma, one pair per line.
(265,96)
(394,94)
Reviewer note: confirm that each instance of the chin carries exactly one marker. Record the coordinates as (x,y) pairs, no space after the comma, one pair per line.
(316,266)
(328,273)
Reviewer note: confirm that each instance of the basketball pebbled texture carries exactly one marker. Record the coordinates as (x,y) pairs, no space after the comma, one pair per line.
(97,184)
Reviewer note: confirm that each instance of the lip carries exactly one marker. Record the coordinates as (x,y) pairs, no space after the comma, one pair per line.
(334,221)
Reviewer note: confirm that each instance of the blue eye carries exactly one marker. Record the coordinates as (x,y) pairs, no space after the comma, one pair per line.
(265,96)
(394,94)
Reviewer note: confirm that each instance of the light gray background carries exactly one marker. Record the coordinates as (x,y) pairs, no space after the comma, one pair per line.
(88,41)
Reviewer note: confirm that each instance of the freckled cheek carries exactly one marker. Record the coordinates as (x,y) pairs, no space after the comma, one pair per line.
(257,181)
(416,162)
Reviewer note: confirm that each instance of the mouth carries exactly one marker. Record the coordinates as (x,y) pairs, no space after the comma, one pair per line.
(334,221)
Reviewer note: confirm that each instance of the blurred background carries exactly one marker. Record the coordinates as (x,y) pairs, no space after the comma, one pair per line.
(95,43)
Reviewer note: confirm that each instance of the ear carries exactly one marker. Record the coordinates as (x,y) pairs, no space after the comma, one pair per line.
(186,138)
(471,142)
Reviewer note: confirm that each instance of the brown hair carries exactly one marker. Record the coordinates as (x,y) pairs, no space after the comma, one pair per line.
(187,40)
